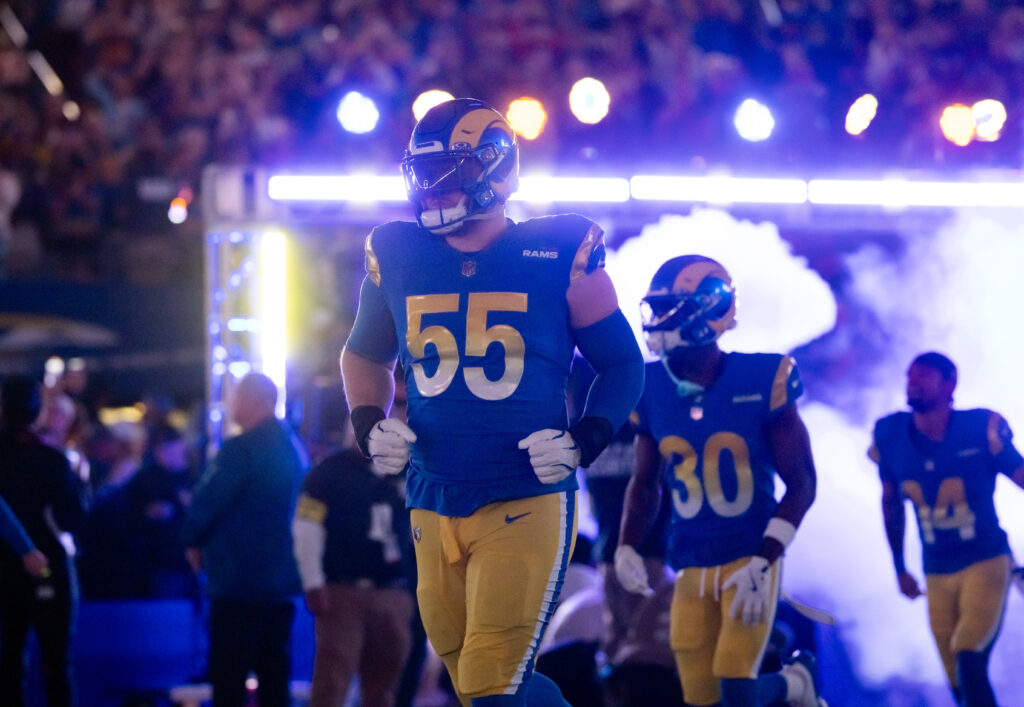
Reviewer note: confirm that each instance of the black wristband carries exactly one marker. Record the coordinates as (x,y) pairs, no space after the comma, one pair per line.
(364,417)
(592,435)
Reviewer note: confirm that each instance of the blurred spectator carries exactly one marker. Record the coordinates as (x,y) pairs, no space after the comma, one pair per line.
(58,427)
(162,89)
(13,533)
(241,518)
(353,545)
(40,488)
(158,497)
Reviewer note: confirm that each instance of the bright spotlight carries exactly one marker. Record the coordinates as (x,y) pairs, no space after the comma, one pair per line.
(989,118)
(427,100)
(527,117)
(753,121)
(357,113)
(589,101)
(861,113)
(71,110)
(957,123)
(178,211)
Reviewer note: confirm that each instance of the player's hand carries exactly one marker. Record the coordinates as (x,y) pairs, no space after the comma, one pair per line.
(908,585)
(631,571)
(554,454)
(751,583)
(35,563)
(388,443)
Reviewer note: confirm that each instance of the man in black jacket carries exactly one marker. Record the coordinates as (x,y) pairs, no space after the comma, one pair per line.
(241,517)
(38,485)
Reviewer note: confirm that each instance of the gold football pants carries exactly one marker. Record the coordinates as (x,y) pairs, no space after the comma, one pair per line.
(707,644)
(488,584)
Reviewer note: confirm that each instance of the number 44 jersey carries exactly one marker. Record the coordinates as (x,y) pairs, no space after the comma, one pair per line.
(720,468)
(950,483)
(485,344)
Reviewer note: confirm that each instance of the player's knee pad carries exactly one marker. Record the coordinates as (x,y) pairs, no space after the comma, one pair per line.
(509,590)
(444,631)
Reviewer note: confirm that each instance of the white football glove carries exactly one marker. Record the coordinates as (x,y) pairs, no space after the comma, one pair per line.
(631,571)
(388,443)
(554,454)
(751,582)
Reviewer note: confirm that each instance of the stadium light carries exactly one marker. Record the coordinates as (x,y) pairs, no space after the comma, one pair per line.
(719,190)
(861,113)
(427,100)
(357,113)
(710,190)
(287,187)
(589,101)
(273,311)
(527,117)
(901,194)
(957,123)
(754,121)
(572,189)
(989,118)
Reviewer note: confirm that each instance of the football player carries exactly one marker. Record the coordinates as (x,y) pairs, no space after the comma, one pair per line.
(484,314)
(721,425)
(945,462)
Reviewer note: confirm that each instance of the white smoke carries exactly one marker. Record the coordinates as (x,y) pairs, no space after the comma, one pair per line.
(957,291)
(771,318)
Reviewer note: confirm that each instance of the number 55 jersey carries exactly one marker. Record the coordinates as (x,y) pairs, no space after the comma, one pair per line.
(950,483)
(485,344)
(720,469)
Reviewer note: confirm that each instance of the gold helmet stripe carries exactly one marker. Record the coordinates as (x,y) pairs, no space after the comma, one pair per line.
(593,239)
(372,265)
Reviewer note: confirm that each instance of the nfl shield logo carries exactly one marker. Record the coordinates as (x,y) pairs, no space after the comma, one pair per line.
(416,534)
(468,268)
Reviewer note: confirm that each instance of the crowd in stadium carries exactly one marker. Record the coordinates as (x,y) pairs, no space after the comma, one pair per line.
(163,88)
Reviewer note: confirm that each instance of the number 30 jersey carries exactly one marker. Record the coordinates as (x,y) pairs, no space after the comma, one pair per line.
(485,345)
(720,468)
(950,483)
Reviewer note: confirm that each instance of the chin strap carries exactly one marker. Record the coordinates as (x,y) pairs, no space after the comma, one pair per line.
(684,388)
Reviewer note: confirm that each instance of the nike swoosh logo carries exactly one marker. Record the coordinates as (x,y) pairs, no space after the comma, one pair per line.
(513,519)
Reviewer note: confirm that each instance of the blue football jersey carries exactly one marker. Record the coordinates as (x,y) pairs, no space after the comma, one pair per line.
(485,343)
(720,468)
(950,483)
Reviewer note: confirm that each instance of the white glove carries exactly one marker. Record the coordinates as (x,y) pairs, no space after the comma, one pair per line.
(631,571)
(751,582)
(554,454)
(388,443)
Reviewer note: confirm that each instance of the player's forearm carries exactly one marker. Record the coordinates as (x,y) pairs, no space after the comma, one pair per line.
(894,517)
(641,505)
(367,382)
(790,512)
(610,348)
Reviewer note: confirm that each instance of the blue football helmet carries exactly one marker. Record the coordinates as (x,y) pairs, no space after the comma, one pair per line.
(691,302)
(462,145)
